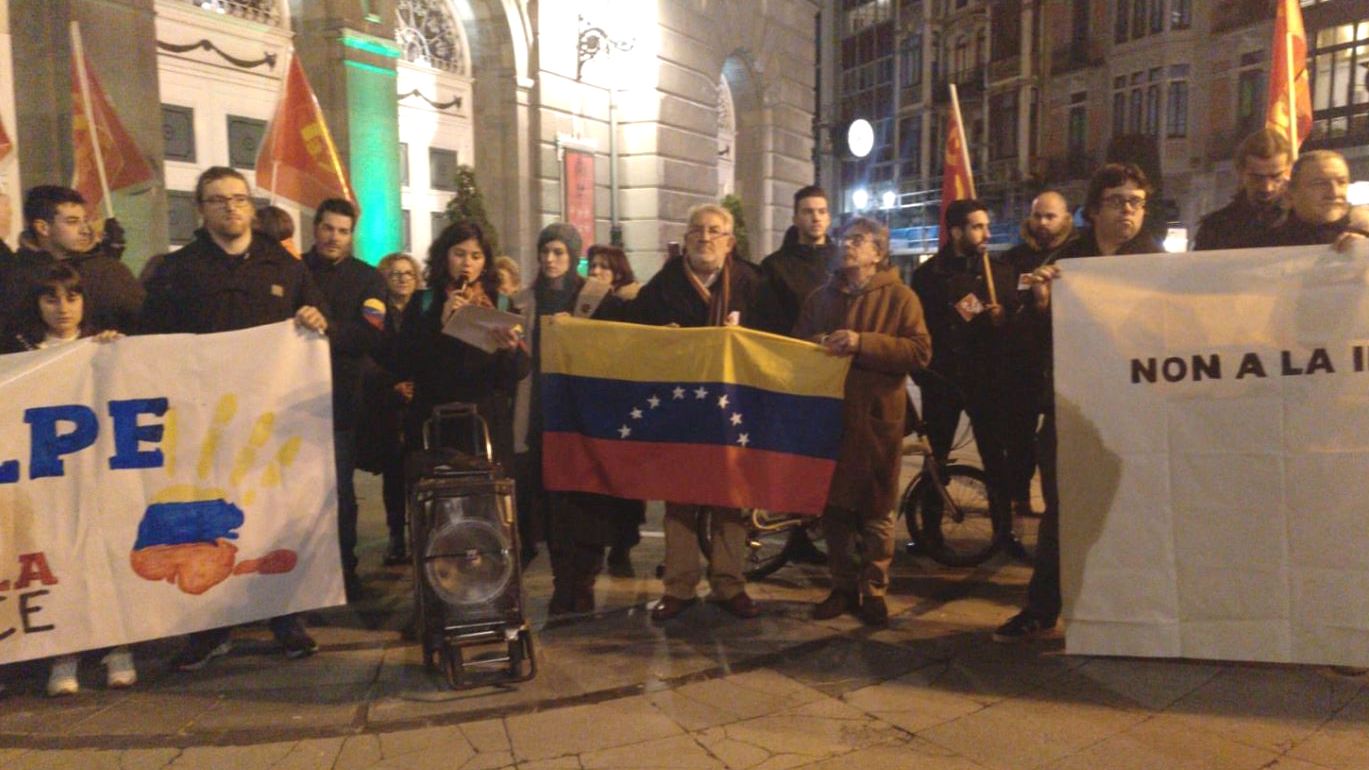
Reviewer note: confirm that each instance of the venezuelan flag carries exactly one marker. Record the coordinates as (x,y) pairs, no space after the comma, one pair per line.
(711,416)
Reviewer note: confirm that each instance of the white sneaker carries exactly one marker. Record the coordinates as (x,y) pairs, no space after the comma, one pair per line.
(119,670)
(62,680)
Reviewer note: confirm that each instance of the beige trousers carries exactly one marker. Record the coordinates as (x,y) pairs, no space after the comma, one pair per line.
(682,555)
(869,575)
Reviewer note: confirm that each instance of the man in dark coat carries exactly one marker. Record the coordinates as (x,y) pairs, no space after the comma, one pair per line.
(1319,210)
(802,263)
(1115,209)
(1262,163)
(355,294)
(228,279)
(57,228)
(704,287)
(969,348)
(1045,233)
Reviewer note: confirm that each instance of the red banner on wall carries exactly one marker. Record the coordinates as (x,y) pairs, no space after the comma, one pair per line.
(578,173)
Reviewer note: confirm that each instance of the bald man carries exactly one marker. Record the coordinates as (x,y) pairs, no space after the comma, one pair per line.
(1045,232)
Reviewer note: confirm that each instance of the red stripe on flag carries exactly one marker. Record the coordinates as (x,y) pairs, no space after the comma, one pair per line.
(686,473)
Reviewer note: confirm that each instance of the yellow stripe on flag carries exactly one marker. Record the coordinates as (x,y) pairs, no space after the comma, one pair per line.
(619,351)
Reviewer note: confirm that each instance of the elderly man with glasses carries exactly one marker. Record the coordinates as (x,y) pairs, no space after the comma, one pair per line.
(706,286)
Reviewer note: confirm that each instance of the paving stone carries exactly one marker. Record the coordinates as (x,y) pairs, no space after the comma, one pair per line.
(1030,731)
(1342,742)
(560,763)
(733,754)
(1164,743)
(489,761)
(712,702)
(259,757)
(848,664)
(487,735)
(91,759)
(808,736)
(904,755)
(159,713)
(678,751)
(358,752)
(416,745)
(314,754)
(276,713)
(1272,707)
(579,729)
(1154,684)
(912,702)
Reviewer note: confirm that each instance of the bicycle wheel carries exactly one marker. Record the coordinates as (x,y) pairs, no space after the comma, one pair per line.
(961,535)
(767,551)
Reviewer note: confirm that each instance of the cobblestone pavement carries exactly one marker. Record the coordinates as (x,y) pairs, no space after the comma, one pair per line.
(704,691)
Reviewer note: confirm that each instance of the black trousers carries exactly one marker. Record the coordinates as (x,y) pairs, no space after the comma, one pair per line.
(1043,592)
(941,412)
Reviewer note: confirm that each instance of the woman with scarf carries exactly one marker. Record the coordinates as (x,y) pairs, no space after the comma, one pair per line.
(461,272)
(578,526)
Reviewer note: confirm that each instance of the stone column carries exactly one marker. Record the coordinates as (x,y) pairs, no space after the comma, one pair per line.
(349,55)
(121,43)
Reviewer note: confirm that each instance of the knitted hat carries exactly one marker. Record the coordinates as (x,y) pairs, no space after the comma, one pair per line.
(565,233)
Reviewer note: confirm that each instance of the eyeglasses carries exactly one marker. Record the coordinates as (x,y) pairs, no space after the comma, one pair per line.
(227,201)
(403,274)
(1122,202)
(856,239)
(707,233)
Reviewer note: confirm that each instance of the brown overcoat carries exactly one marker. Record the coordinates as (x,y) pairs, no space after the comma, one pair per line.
(893,342)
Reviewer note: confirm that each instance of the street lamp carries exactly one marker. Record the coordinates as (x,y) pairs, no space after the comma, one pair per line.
(860,198)
(592,42)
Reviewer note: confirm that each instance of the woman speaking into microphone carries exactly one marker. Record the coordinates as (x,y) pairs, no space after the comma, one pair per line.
(461,272)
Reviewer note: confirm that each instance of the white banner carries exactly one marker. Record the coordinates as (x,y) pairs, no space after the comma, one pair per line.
(153,486)
(1213,414)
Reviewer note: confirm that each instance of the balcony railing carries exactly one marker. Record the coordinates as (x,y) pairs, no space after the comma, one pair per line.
(1007,67)
(263,11)
(1076,55)
(1078,166)
(968,83)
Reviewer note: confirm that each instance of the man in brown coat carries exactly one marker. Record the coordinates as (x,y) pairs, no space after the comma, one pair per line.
(864,311)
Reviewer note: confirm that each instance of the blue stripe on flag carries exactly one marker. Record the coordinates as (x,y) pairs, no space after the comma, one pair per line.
(692,413)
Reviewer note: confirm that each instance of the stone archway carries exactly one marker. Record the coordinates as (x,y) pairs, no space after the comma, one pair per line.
(499,34)
(751,149)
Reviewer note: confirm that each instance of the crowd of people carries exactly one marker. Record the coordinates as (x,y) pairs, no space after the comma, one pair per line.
(973,329)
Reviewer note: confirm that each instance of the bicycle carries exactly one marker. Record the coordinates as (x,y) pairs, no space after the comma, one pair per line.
(772,541)
(946,508)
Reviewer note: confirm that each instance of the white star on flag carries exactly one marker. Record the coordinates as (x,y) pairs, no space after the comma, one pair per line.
(722,402)
(679,393)
(625,431)
(701,392)
(736,418)
(744,439)
(655,402)
(636,414)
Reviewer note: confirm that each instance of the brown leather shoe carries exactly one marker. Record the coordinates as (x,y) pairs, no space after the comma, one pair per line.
(835,604)
(669,607)
(741,605)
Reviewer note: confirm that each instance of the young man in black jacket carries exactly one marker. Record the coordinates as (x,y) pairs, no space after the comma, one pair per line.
(801,264)
(1262,162)
(355,294)
(228,279)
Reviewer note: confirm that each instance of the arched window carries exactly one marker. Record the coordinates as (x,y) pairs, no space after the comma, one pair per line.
(727,140)
(429,35)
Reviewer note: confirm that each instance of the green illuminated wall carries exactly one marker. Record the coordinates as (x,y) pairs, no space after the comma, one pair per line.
(373,129)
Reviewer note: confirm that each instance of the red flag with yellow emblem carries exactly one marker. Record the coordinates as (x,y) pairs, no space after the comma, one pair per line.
(297,159)
(957,180)
(105,158)
(1290,99)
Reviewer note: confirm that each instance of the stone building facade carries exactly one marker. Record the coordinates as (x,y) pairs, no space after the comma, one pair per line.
(1051,89)
(692,97)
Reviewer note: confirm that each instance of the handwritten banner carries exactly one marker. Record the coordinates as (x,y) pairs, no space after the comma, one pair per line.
(154,486)
(1213,434)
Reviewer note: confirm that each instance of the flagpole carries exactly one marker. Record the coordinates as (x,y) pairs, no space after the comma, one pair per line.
(84,82)
(1292,95)
(964,140)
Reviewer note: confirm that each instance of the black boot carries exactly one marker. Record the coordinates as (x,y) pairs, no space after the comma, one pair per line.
(398,551)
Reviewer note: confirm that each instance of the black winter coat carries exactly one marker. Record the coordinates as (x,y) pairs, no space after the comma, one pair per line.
(789,276)
(355,294)
(669,297)
(972,354)
(1238,225)
(201,289)
(113,296)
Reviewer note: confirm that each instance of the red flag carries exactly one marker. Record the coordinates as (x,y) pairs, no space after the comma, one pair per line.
(117,157)
(1289,93)
(297,159)
(957,180)
(5,144)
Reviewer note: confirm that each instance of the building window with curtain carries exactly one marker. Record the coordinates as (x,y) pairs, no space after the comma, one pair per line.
(1180,14)
(1119,106)
(1003,128)
(1250,95)
(1120,24)
(1152,126)
(1157,16)
(1340,83)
